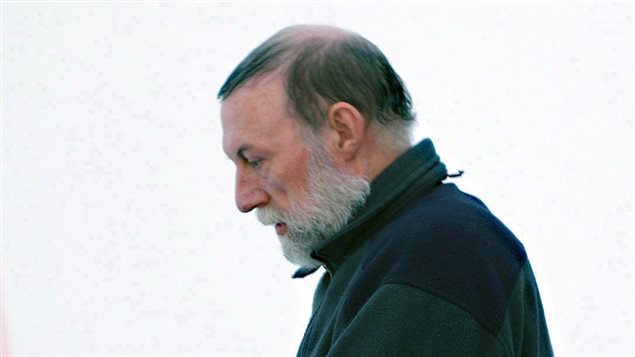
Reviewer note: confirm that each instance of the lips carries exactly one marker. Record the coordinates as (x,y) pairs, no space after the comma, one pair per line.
(281,229)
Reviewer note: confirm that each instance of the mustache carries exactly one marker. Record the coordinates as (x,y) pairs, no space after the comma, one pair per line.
(270,216)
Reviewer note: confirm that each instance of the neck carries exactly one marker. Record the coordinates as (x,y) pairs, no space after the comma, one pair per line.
(379,160)
(373,156)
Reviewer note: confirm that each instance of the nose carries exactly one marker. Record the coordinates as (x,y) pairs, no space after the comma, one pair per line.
(249,193)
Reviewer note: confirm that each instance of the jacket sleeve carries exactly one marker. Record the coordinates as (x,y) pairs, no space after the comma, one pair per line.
(400,320)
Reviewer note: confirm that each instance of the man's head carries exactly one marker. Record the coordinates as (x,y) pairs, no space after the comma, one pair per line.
(310,117)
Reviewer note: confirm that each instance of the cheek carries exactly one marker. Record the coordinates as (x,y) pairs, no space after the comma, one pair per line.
(293,180)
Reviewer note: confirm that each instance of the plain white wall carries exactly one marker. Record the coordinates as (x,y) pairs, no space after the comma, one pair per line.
(119,231)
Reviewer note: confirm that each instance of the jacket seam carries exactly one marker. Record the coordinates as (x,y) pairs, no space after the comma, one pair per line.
(442,297)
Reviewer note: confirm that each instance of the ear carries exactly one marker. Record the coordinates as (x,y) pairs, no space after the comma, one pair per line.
(348,128)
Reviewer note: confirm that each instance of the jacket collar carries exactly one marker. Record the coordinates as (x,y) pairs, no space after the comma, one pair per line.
(413,173)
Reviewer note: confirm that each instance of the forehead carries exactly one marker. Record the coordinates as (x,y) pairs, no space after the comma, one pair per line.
(257,114)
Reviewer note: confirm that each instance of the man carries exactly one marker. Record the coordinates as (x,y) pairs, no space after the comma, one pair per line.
(318,125)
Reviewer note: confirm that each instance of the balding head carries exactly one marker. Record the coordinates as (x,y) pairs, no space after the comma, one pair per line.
(323,65)
(304,32)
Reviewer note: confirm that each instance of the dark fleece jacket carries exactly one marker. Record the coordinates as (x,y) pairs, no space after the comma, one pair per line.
(424,270)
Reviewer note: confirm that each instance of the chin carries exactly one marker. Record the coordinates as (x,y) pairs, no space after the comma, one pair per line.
(298,251)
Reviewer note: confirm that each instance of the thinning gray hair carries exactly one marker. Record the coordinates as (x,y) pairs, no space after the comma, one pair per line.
(325,65)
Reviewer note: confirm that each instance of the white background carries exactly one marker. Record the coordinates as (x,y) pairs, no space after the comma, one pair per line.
(119,231)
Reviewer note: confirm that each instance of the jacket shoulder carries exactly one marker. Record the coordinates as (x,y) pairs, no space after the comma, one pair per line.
(449,244)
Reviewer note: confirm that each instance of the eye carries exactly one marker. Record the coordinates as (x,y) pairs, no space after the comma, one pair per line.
(253,163)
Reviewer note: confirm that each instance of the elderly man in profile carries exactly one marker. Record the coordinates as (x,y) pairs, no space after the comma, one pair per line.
(318,125)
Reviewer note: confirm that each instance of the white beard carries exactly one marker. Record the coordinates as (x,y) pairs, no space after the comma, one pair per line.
(332,199)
